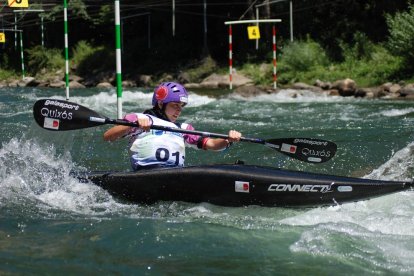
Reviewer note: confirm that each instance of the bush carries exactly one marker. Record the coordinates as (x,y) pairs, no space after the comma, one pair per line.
(41,58)
(303,55)
(207,66)
(360,50)
(401,39)
(7,74)
(97,60)
(82,51)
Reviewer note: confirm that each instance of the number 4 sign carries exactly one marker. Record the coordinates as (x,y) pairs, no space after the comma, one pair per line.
(18,3)
(253,32)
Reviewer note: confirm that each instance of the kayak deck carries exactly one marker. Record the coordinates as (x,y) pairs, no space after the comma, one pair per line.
(241,185)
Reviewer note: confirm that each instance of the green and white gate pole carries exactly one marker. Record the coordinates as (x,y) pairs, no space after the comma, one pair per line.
(21,47)
(118,58)
(22,53)
(65,13)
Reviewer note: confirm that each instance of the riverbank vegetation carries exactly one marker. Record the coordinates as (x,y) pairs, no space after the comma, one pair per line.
(303,60)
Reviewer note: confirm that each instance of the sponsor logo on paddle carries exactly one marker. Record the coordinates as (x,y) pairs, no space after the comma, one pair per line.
(49,111)
(288,148)
(242,187)
(316,153)
(299,188)
(51,123)
(310,142)
(62,105)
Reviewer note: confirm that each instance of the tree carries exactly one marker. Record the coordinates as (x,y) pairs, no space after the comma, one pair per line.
(401,39)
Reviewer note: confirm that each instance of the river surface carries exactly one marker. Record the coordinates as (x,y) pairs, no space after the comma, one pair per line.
(52,224)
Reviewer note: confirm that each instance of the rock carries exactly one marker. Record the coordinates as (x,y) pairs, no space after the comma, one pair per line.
(128,83)
(192,85)
(75,78)
(333,92)
(222,81)
(239,80)
(104,85)
(212,81)
(323,85)
(369,92)
(144,80)
(166,78)
(360,93)
(395,88)
(184,78)
(57,84)
(249,91)
(407,90)
(76,85)
(346,87)
(26,81)
(390,87)
(304,86)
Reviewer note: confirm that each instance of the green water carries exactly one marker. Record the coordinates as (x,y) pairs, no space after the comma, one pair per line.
(52,224)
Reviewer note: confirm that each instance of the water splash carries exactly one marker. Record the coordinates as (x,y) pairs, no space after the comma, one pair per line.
(399,167)
(36,175)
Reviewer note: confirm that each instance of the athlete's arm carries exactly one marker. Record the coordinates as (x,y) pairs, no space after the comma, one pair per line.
(219,144)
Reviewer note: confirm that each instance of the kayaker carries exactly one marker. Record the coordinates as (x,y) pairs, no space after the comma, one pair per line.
(157,148)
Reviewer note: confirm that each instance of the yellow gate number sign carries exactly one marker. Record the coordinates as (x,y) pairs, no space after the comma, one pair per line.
(253,32)
(2,38)
(18,3)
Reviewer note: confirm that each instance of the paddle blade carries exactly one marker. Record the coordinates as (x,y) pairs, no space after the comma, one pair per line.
(305,149)
(56,115)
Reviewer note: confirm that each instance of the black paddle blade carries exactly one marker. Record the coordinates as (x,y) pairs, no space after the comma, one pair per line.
(52,114)
(305,149)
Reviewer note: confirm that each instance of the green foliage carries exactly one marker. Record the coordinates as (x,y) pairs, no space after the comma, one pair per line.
(97,60)
(82,51)
(7,74)
(365,62)
(303,55)
(77,8)
(207,67)
(401,28)
(300,61)
(259,73)
(105,15)
(377,67)
(361,48)
(41,58)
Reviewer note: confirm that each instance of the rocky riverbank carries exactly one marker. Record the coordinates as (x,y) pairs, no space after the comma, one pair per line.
(242,85)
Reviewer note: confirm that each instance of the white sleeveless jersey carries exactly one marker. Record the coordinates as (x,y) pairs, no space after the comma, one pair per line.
(157,147)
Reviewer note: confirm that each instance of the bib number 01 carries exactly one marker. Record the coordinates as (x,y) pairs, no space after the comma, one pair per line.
(163,154)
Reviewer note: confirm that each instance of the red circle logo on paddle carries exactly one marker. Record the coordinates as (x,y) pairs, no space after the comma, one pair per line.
(161,93)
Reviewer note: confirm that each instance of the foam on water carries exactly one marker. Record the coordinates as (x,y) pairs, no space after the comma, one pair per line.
(133,101)
(378,231)
(292,95)
(36,174)
(397,112)
(33,173)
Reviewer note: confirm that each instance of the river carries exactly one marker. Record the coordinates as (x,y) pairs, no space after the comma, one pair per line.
(50,223)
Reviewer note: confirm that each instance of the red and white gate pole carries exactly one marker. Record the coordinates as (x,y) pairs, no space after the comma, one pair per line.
(230,58)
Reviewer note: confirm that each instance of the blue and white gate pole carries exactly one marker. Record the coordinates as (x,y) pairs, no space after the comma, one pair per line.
(118,58)
(65,13)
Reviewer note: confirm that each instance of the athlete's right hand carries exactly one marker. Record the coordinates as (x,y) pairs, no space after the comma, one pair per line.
(144,122)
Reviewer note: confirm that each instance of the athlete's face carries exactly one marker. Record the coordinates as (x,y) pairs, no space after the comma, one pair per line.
(173,110)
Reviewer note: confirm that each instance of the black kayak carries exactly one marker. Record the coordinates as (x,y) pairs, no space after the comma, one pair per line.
(241,185)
